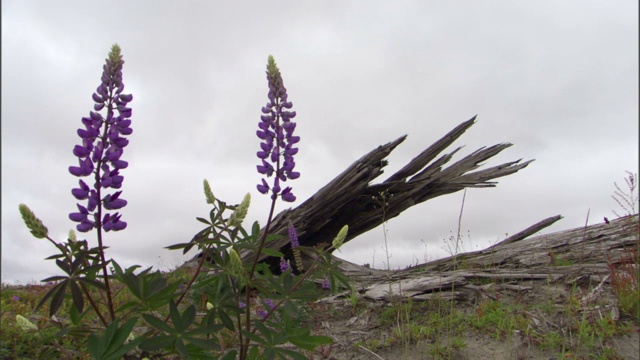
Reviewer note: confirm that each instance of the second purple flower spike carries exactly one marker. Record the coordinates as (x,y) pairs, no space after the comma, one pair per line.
(278,142)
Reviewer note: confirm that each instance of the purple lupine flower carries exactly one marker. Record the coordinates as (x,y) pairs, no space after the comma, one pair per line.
(326,284)
(241,305)
(101,150)
(269,303)
(15,298)
(262,313)
(293,236)
(278,142)
(284,265)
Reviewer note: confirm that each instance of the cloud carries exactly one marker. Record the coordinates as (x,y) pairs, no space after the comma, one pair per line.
(559,80)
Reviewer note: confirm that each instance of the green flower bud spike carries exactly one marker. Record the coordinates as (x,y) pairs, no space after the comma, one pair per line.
(241,211)
(25,324)
(237,269)
(339,239)
(33,223)
(208,193)
(72,236)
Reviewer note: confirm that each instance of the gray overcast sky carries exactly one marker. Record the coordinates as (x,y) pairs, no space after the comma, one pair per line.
(558,79)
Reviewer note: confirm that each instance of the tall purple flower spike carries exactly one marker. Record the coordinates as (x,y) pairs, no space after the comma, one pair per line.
(103,143)
(276,132)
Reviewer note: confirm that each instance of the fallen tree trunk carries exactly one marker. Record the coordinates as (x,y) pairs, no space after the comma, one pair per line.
(351,199)
(579,255)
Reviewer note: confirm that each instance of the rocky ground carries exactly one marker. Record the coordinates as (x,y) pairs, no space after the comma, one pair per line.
(543,308)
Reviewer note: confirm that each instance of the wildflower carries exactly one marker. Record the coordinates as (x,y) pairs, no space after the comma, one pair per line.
(99,154)
(25,324)
(237,269)
(241,305)
(284,265)
(208,193)
(15,298)
(34,224)
(278,142)
(269,303)
(241,211)
(72,236)
(293,236)
(262,313)
(326,284)
(339,239)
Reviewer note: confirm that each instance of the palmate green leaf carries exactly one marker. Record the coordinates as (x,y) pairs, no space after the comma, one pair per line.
(48,295)
(157,342)
(64,266)
(75,316)
(254,353)
(111,344)
(58,297)
(205,329)
(253,337)
(267,333)
(207,344)
(76,295)
(92,282)
(177,246)
(200,236)
(231,355)
(176,319)
(127,305)
(291,309)
(341,278)
(115,347)
(188,316)
(226,320)
(272,252)
(269,353)
(132,283)
(181,348)
(157,323)
(203,220)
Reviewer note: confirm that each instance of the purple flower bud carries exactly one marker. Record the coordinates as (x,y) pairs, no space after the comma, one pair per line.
(263,188)
(269,303)
(81,151)
(287,195)
(241,305)
(112,222)
(284,265)
(112,202)
(326,284)
(81,215)
(85,226)
(262,313)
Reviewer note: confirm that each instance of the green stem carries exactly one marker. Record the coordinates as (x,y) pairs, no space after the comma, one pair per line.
(244,346)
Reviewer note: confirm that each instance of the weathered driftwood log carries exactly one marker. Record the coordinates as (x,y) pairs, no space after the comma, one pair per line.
(572,256)
(351,199)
